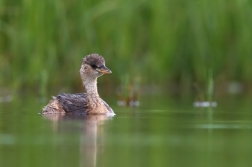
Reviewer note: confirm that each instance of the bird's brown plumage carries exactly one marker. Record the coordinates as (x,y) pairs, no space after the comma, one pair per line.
(92,67)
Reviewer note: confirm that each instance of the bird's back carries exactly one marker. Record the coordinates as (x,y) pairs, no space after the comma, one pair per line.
(67,103)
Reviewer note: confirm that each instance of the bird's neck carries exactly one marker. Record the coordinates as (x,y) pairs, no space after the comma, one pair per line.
(91,87)
(91,91)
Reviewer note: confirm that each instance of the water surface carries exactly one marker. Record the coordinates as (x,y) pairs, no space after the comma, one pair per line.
(161,132)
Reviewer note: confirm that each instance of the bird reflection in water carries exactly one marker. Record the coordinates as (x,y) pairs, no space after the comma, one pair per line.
(92,134)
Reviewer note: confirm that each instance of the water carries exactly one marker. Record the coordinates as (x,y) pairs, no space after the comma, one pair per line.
(161,132)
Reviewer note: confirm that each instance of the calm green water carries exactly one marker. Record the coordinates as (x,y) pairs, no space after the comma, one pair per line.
(161,132)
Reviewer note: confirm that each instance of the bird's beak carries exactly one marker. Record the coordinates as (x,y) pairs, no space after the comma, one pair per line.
(103,69)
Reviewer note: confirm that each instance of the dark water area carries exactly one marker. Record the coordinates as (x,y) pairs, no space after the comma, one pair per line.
(160,132)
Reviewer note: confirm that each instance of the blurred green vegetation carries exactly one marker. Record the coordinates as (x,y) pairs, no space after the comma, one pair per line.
(161,41)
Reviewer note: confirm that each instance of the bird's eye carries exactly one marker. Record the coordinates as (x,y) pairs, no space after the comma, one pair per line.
(93,66)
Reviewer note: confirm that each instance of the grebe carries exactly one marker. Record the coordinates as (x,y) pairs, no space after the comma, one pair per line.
(92,67)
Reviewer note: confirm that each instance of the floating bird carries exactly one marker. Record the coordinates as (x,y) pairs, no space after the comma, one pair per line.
(93,66)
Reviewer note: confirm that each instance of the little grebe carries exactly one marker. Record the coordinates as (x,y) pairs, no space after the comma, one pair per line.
(92,67)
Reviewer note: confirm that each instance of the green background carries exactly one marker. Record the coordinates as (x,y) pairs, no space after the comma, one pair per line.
(161,42)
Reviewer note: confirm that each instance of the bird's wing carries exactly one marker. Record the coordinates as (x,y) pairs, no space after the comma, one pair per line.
(73,102)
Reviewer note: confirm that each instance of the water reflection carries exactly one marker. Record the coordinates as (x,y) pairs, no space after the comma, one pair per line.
(91,137)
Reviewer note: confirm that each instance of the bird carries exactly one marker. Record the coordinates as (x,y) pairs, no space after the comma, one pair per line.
(92,67)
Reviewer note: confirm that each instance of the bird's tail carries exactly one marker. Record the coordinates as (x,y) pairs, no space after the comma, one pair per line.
(53,107)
